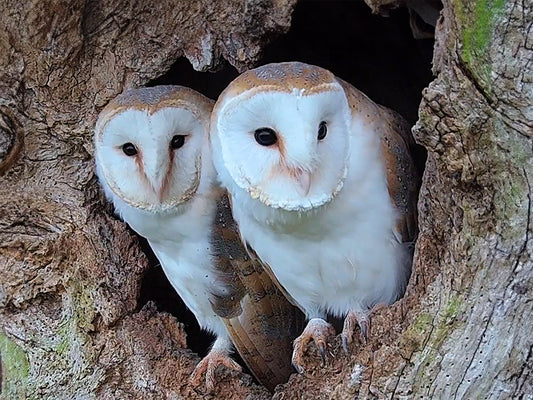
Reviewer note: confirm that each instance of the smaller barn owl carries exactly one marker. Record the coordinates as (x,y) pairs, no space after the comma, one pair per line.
(153,161)
(323,189)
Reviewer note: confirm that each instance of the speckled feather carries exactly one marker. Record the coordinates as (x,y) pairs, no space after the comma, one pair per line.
(397,146)
(279,77)
(153,99)
(260,320)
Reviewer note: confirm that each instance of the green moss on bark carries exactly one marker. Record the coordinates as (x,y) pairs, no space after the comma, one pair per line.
(476,22)
(15,369)
(446,321)
(414,337)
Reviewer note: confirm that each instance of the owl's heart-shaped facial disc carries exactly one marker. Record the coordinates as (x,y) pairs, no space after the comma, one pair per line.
(149,145)
(282,135)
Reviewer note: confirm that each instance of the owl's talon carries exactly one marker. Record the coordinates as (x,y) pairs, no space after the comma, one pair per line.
(317,330)
(363,320)
(298,368)
(208,365)
(322,351)
(344,343)
(353,317)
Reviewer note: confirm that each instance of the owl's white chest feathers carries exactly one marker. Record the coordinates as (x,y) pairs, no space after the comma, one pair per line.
(341,256)
(181,242)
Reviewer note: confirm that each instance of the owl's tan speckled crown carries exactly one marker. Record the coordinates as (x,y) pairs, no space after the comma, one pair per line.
(285,76)
(152,99)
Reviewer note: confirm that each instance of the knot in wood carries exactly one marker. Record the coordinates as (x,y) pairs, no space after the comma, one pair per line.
(9,142)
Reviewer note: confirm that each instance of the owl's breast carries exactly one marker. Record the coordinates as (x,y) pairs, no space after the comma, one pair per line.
(337,260)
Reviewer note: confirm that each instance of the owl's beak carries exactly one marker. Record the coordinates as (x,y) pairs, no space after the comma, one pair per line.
(157,177)
(158,186)
(304,181)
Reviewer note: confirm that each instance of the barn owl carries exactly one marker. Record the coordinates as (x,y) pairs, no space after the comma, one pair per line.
(324,190)
(153,161)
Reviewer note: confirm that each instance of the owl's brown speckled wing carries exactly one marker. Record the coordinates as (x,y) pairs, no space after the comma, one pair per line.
(261,321)
(403,179)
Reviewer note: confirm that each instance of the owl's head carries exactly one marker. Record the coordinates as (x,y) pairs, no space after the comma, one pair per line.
(148,146)
(281,132)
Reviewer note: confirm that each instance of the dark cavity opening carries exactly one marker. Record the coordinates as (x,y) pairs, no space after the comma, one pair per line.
(378,55)
(156,287)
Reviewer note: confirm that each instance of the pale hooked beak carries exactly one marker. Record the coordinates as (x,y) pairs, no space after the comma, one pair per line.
(156,174)
(158,185)
(304,181)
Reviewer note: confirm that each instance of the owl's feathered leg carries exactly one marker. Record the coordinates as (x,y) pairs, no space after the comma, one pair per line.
(218,355)
(317,330)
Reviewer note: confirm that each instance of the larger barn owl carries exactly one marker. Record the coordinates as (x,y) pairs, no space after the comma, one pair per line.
(323,188)
(153,161)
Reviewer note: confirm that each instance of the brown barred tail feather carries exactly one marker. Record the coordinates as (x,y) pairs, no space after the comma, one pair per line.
(261,321)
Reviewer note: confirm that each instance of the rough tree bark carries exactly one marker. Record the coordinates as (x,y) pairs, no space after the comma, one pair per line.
(71,327)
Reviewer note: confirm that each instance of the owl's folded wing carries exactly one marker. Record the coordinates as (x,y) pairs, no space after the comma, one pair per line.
(397,148)
(261,321)
(403,179)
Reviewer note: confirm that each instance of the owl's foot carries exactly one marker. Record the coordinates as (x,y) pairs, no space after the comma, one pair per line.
(317,330)
(362,318)
(348,331)
(209,364)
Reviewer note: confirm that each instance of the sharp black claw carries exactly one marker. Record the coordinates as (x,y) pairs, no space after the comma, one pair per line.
(322,351)
(364,332)
(345,344)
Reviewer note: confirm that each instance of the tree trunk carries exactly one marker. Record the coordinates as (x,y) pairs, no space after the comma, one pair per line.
(71,321)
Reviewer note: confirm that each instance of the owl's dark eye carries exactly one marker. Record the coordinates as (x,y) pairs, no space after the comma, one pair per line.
(129,149)
(177,141)
(265,136)
(322,130)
